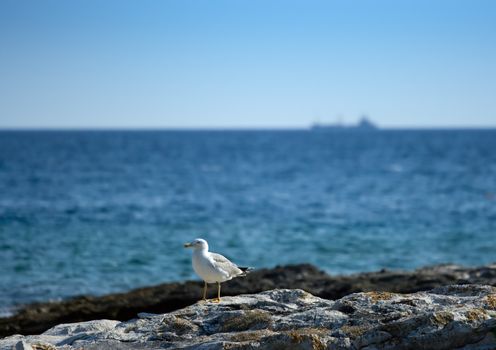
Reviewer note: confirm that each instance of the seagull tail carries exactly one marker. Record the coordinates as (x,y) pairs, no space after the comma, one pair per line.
(246,270)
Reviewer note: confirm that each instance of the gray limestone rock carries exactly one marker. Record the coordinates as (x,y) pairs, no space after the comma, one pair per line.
(451,317)
(37,318)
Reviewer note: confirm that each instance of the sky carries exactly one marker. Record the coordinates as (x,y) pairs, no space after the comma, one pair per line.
(246,64)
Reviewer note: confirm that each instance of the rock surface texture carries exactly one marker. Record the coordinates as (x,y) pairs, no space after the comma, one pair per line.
(451,317)
(37,318)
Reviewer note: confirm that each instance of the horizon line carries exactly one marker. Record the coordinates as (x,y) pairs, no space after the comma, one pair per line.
(227,128)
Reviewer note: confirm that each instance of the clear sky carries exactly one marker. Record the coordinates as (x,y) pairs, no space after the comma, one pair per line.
(256,63)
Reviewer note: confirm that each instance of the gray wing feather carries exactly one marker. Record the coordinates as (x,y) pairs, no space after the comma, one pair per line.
(225,264)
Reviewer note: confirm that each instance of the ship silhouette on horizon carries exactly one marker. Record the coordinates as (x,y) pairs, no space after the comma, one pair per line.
(363,125)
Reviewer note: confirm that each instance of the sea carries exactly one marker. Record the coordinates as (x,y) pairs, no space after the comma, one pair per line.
(94,212)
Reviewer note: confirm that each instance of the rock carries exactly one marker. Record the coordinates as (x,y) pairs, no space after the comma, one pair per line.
(455,316)
(36,318)
(22,345)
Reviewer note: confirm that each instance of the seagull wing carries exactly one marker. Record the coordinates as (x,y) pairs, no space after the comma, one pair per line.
(226,265)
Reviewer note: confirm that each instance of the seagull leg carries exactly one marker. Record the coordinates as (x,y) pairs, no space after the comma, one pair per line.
(218,294)
(205,292)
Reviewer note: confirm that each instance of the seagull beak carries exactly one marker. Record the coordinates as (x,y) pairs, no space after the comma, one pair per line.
(187,245)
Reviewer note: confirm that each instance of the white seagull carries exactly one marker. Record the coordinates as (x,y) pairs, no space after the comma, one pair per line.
(212,267)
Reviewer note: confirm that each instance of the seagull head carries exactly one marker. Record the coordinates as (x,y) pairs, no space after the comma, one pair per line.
(198,243)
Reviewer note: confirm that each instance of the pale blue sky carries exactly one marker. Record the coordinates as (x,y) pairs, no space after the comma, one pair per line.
(254,63)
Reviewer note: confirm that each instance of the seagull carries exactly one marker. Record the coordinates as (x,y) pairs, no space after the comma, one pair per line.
(212,267)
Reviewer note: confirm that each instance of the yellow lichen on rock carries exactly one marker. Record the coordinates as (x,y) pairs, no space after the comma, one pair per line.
(354,331)
(491,301)
(311,335)
(39,346)
(248,319)
(376,296)
(476,314)
(442,318)
(249,336)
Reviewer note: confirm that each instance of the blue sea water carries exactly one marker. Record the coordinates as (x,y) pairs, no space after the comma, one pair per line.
(92,212)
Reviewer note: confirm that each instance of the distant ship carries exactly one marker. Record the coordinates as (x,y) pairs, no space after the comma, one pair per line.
(363,125)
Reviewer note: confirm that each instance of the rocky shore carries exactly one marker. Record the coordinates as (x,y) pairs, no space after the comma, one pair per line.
(450,317)
(37,318)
